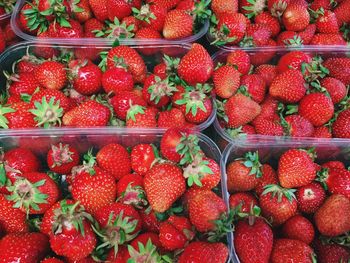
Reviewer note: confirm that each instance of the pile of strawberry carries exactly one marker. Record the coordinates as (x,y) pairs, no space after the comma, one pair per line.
(141,204)
(150,19)
(304,206)
(68,89)
(7,36)
(257,23)
(301,95)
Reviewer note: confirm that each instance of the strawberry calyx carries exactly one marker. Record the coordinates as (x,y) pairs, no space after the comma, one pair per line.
(201,11)
(116,30)
(251,160)
(256,7)
(342,240)
(145,253)
(75,66)
(3,120)
(279,192)
(26,195)
(196,170)
(345,29)
(223,225)
(193,100)
(278,8)
(47,114)
(236,133)
(314,70)
(61,154)
(221,35)
(188,148)
(118,231)
(296,41)
(322,177)
(161,88)
(144,14)
(3,177)
(133,111)
(134,195)
(89,162)
(220,109)
(8,5)
(73,4)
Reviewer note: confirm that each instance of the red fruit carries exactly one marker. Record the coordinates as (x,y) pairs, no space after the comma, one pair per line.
(177,24)
(257,35)
(328,39)
(142,158)
(28,248)
(307,35)
(130,190)
(268,176)
(164,184)
(327,23)
(270,21)
(293,60)
(289,249)
(296,17)
(173,118)
(100,9)
(148,33)
(245,200)
(156,91)
(331,253)
(342,12)
(118,9)
(253,241)
(141,117)
(226,81)
(121,257)
(259,58)
(24,83)
(252,8)
(51,260)
(298,126)
(268,127)
(318,108)
(299,228)
(145,245)
(92,25)
(334,164)
(337,181)
(58,31)
(336,89)
(152,16)
(51,75)
(310,197)
(240,60)
(117,80)
(122,100)
(241,110)
(341,127)
(288,86)
(93,188)
(59,98)
(86,78)
(255,86)
(267,72)
(149,220)
(231,28)
(277,7)
(169,142)
(61,158)
(85,13)
(322,132)
(199,251)
(18,116)
(339,69)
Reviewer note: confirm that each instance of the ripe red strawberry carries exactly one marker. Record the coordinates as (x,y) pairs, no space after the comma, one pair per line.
(310,197)
(342,12)
(199,251)
(85,12)
(341,126)
(291,164)
(289,39)
(196,66)
(100,9)
(149,220)
(278,204)
(257,35)
(270,21)
(243,174)
(331,253)
(143,157)
(298,126)
(126,55)
(243,200)
(255,86)
(148,33)
(253,241)
(293,60)
(335,206)
(339,69)
(122,100)
(59,98)
(117,80)
(93,188)
(262,58)
(61,158)
(177,24)
(58,31)
(121,256)
(268,176)
(88,114)
(327,23)
(220,6)
(12,220)
(240,60)
(296,17)
(241,110)
(268,127)
(34,192)
(337,181)
(307,35)
(230,29)
(51,260)
(267,72)
(168,4)
(204,208)
(152,16)
(299,228)
(91,26)
(157,92)
(51,75)
(288,86)
(164,184)
(114,159)
(328,39)
(28,247)
(143,246)
(18,116)
(175,233)
(173,118)
(226,81)
(317,4)
(335,88)
(118,9)
(24,83)
(86,78)
(334,164)
(141,117)
(290,249)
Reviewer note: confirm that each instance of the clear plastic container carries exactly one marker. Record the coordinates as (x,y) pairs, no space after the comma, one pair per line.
(39,141)
(326,149)
(15,52)
(99,41)
(275,54)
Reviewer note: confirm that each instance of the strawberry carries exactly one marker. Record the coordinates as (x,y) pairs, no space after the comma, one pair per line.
(290,39)
(267,72)
(24,83)
(221,6)
(318,4)
(310,197)
(51,75)
(327,23)
(34,192)
(61,158)
(288,86)
(74,31)
(299,228)
(118,9)
(328,39)
(243,201)
(241,110)
(149,220)
(337,181)
(125,55)
(335,206)
(230,29)
(51,260)
(268,127)
(71,235)
(289,249)
(122,100)
(255,86)
(143,156)
(296,17)
(130,190)
(251,8)
(341,125)
(177,24)
(117,80)
(119,223)
(86,78)
(138,116)
(148,33)
(145,246)
(334,164)
(342,12)
(277,7)
(307,35)
(93,188)
(253,241)
(331,253)
(268,176)
(171,139)
(256,35)
(59,98)
(168,4)
(278,204)
(173,118)
(81,11)
(28,247)
(100,9)
(262,58)
(199,251)
(121,256)
(338,68)
(164,184)
(293,60)
(335,88)
(88,114)
(243,174)
(156,92)
(91,26)
(226,81)
(298,126)
(240,60)
(152,16)
(12,220)
(291,164)
(272,22)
